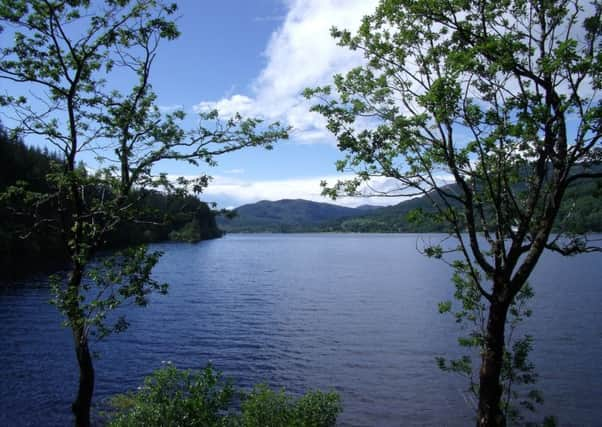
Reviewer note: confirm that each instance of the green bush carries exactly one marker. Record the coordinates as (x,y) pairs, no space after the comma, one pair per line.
(317,409)
(190,233)
(170,397)
(264,407)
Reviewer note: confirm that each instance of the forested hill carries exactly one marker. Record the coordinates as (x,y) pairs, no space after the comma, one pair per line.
(24,247)
(287,216)
(580,212)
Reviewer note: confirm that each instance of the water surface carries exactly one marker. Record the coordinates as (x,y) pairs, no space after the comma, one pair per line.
(353,313)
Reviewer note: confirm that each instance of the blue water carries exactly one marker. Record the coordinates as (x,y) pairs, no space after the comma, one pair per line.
(353,313)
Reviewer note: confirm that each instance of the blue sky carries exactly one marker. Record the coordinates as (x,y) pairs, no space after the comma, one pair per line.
(255,58)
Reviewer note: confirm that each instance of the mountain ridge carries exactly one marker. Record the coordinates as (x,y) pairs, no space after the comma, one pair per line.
(581,212)
(287,215)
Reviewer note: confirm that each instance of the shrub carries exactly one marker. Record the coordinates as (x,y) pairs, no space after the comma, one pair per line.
(317,409)
(265,407)
(171,397)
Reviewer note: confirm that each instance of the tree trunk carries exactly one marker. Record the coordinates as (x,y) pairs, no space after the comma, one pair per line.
(490,390)
(83,402)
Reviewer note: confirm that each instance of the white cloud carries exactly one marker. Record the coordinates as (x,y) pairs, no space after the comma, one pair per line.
(236,192)
(170,108)
(228,106)
(300,54)
(231,190)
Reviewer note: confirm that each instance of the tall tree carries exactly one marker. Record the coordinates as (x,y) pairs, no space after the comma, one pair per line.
(502,99)
(73,57)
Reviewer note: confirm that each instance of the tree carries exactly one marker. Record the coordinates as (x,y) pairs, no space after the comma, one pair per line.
(186,398)
(491,110)
(73,57)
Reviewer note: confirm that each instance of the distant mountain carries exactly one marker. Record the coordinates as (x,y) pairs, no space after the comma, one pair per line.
(390,219)
(581,211)
(288,216)
(368,207)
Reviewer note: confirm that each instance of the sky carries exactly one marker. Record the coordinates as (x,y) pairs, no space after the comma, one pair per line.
(256,58)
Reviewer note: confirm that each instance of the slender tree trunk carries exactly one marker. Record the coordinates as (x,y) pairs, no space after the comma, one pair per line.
(83,401)
(490,390)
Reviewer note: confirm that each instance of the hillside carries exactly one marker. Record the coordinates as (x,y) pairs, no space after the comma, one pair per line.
(166,217)
(580,212)
(390,219)
(286,216)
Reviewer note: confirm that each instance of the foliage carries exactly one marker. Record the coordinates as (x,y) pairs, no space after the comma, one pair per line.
(43,248)
(66,56)
(317,409)
(29,248)
(266,407)
(174,397)
(518,372)
(185,398)
(581,210)
(121,278)
(580,213)
(500,99)
(190,232)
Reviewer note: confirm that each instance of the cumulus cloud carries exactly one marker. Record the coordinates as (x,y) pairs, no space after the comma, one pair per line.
(228,106)
(236,192)
(300,54)
(232,190)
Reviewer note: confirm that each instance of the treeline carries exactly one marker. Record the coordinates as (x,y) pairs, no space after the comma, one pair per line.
(580,212)
(28,245)
(399,218)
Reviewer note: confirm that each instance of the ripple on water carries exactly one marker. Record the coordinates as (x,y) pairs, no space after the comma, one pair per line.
(356,314)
